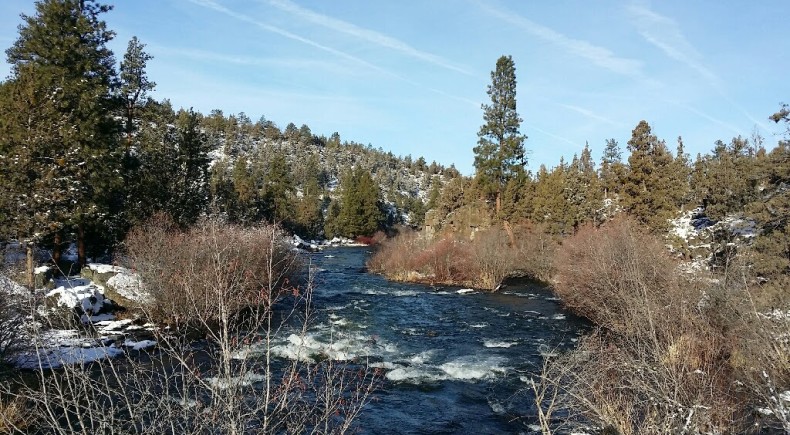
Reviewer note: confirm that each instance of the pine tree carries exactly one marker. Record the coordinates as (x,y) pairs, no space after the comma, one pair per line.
(278,190)
(731,178)
(61,62)
(500,155)
(681,176)
(583,191)
(361,209)
(612,169)
(648,188)
(551,206)
(135,84)
(187,190)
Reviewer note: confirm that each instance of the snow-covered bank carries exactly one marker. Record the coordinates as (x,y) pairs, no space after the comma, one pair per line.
(95,336)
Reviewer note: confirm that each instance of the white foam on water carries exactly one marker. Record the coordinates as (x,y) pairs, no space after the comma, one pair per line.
(384,365)
(472,368)
(466,291)
(502,344)
(479,325)
(422,357)
(559,316)
(416,375)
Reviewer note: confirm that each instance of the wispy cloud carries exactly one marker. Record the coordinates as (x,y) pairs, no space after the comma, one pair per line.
(600,56)
(529,127)
(704,115)
(664,33)
(235,59)
(282,32)
(366,35)
(590,114)
(277,30)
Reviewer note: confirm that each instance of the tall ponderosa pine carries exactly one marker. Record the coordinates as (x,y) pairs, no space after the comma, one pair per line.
(499,154)
(62,64)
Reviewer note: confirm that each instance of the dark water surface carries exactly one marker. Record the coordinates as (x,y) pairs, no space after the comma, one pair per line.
(455,361)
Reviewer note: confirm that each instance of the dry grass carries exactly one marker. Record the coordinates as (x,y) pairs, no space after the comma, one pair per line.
(14,413)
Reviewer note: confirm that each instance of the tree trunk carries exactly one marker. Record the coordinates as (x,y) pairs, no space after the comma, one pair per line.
(81,245)
(498,202)
(31,277)
(56,249)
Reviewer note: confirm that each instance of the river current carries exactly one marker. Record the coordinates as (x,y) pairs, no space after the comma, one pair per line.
(455,360)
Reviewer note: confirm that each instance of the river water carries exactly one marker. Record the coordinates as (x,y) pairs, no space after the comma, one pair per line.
(455,360)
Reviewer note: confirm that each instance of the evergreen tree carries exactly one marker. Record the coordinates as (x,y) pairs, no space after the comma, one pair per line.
(681,176)
(61,63)
(551,206)
(648,188)
(278,190)
(517,199)
(499,154)
(187,189)
(612,169)
(361,211)
(583,191)
(434,194)
(135,84)
(731,178)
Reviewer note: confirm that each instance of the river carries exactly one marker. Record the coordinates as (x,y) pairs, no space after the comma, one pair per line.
(456,360)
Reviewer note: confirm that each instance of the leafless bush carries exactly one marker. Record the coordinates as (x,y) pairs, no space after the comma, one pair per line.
(536,248)
(493,257)
(660,364)
(230,380)
(190,274)
(482,262)
(618,276)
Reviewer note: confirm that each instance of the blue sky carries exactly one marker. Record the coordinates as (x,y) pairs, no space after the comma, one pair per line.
(409,76)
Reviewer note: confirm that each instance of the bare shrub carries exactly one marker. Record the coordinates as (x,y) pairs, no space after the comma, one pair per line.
(536,248)
(230,380)
(493,257)
(617,276)
(660,364)
(190,274)
(483,262)
(395,257)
